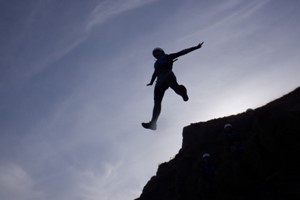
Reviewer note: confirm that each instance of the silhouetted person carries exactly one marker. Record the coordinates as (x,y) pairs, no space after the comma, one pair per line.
(165,79)
(208,169)
(207,185)
(234,142)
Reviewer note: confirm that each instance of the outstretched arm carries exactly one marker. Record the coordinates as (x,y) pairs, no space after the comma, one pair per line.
(185,51)
(154,75)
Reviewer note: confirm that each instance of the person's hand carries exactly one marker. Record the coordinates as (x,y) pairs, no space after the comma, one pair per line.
(200,45)
(149,84)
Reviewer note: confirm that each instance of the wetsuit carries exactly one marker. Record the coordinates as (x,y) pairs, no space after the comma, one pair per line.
(166,78)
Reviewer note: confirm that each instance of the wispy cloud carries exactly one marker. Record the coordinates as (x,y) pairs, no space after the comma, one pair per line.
(226,17)
(81,31)
(29,54)
(109,9)
(16,183)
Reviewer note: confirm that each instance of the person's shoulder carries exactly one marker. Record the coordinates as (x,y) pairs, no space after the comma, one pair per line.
(169,56)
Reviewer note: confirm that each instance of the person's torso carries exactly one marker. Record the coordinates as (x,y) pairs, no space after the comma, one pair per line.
(163,67)
(163,63)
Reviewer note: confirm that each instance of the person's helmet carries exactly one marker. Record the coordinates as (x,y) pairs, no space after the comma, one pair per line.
(227,126)
(156,50)
(249,110)
(205,155)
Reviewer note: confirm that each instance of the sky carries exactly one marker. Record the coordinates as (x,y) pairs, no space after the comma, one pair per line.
(73,78)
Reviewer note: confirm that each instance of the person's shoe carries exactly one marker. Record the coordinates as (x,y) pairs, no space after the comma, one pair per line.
(184,93)
(149,125)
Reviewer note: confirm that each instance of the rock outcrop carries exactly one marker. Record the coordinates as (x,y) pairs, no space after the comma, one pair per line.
(256,158)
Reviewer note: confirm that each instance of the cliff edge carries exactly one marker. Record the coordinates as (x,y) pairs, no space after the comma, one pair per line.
(252,155)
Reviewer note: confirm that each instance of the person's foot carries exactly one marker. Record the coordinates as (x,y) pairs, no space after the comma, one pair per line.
(149,125)
(184,93)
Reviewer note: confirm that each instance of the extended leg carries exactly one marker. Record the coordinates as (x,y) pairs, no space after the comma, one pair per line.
(159,92)
(179,89)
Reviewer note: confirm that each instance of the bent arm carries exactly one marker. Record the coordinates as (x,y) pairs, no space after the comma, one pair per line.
(185,51)
(154,75)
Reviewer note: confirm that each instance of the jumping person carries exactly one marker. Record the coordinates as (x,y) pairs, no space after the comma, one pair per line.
(165,79)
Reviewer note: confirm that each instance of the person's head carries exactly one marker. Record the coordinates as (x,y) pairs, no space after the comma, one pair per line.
(157,52)
(206,157)
(250,112)
(228,127)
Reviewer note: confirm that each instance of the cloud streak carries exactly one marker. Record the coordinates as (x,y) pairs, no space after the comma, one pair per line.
(109,9)
(16,183)
(35,56)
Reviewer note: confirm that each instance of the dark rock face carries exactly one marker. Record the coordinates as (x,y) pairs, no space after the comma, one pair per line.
(257,158)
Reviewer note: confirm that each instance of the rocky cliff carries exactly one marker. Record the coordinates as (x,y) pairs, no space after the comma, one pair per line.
(252,155)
